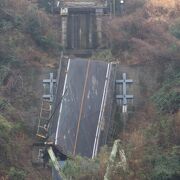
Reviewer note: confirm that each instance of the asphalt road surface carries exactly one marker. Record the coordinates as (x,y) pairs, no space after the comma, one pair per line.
(80,107)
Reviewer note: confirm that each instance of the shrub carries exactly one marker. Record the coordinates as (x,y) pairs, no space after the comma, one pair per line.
(134,5)
(16,174)
(167,98)
(105,55)
(166,166)
(46,4)
(4,71)
(5,128)
(47,42)
(80,167)
(167,101)
(5,25)
(39,30)
(3,103)
(175,29)
(161,155)
(33,26)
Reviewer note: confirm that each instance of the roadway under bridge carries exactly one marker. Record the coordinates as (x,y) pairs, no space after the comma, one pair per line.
(82,24)
(81,28)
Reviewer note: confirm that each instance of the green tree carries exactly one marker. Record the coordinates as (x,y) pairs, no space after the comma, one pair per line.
(47,4)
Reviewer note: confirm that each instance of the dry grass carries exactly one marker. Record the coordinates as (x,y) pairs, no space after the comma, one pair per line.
(164,3)
(163,10)
(31,58)
(143,35)
(177,127)
(137,139)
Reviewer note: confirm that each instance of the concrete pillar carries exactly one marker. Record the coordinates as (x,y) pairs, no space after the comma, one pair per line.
(83,32)
(99,13)
(90,36)
(64,31)
(73,33)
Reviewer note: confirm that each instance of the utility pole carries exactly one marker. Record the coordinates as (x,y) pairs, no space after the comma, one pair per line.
(114,7)
(51,4)
(121,6)
(110,7)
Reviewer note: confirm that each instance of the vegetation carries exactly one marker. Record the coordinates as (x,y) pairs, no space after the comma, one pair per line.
(80,167)
(147,33)
(106,55)
(36,27)
(175,29)
(167,99)
(46,4)
(27,45)
(5,128)
(166,166)
(162,150)
(16,174)
(143,33)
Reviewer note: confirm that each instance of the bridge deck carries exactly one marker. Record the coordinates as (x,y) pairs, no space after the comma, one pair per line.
(80,108)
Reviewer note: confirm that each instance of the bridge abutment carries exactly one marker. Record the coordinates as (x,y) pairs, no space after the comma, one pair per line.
(99,14)
(64,31)
(81,26)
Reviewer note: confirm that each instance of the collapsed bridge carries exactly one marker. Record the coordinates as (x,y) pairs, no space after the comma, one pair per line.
(75,118)
(79,119)
(78,116)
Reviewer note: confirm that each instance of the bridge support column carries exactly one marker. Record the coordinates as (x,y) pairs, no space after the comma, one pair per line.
(90,34)
(99,13)
(64,31)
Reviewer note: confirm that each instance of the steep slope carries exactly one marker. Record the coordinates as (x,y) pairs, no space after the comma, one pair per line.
(28,48)
(148,34)
(145,32)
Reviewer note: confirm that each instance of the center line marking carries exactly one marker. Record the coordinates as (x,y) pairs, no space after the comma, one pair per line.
(81,107)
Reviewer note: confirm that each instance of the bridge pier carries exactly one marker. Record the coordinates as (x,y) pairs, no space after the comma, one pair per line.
(99,14)
(64,31)
(90,35)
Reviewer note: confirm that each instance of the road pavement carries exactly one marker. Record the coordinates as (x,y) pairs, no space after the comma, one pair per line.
(80,107)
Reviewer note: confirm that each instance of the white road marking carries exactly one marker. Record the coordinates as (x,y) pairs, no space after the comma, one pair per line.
(64,89)
(98,130)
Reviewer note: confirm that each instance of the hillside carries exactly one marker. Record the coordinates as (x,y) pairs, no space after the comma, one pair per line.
(28,49)
(148,33)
